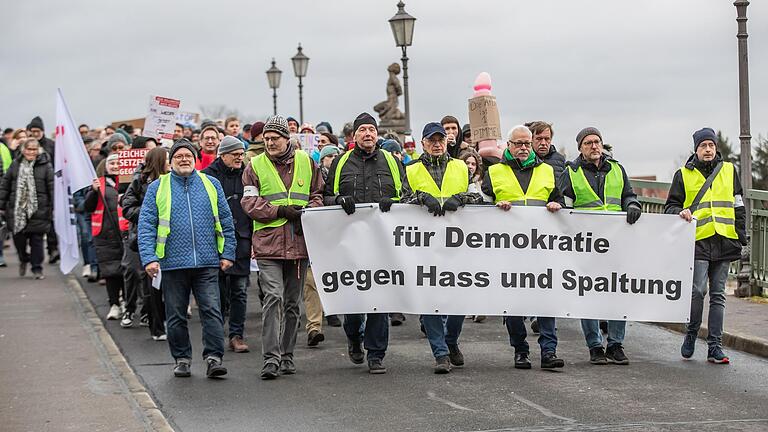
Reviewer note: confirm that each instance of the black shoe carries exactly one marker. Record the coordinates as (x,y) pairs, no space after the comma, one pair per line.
(549,360)
(604,327)
(689,344)
(442,365)
(522,361)
(22,269)
(455,355)
(597,356)
(355,351)
(215,369)
(182,368)
(615,354)
(269,372)
(396,318)
(534,325)
(314,337)
(375,367)
(287,367)
(53,257)
(333,321)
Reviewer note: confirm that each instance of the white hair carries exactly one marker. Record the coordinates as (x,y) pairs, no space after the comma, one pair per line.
(519,128)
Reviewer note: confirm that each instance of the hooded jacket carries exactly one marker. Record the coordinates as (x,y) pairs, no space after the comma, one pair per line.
(40,222)
(523,175)
(596,178)
(716,247)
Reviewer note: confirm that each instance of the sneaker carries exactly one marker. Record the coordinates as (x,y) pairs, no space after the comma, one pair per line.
(127,320)
(269,371)
(2,262)
(333,321)
(38,275)
(522,361)
(716,355)
(534,325)
(455,355)
(86,271)
(114,312)
(160,338)
(215,369)
(396,318)
(237,344)
(144,320)
(442,365)
(479,318)
(102,281)
(287,367)
(355,351)
(182,368)
(615,354)
(314,337)
(375,367)
(22,269)
(122,306)
(597,356)
(53,257)
(94,276)
(689,345)
(549,360)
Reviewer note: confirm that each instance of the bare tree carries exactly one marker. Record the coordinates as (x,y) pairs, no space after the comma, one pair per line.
(217,112)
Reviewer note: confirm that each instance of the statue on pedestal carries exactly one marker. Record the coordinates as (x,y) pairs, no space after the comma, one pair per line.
(392,119)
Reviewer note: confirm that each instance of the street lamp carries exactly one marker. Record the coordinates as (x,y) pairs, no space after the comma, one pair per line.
(402,30)
(273,76)
(300,63)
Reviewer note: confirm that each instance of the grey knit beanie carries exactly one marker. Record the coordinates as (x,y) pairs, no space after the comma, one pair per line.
(230,144)
(586,132)
(278,125)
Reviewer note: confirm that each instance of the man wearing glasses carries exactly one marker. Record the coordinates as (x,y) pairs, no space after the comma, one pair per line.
(595,181)
(209,143)
(521,178)
(228,169)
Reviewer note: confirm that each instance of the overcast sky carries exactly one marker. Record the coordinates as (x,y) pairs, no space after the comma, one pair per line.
(647,74)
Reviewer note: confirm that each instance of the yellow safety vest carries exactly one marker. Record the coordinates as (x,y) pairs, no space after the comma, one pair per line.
(163,202)
(5,157)
(272,189)
(715,212)
(455,179)
(587,199)
(393,169)
(507,188)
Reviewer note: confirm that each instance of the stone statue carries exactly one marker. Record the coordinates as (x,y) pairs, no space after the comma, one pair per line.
(388,110)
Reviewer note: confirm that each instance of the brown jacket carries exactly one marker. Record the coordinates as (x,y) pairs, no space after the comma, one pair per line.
(280,243)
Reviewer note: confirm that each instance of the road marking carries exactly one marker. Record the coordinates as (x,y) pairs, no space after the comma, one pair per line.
(618,426)
(542,410)
(434,397)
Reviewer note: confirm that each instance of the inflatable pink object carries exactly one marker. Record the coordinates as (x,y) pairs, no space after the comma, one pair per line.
(482,87)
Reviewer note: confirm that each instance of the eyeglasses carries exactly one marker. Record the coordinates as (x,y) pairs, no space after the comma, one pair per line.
(180,157)
(436,141)
(521,144)
(238,155)
(591,143)
(210,138)
(272,138)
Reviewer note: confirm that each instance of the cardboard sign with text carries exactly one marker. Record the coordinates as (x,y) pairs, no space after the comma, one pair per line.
(129,160)
(161,117)
(484,118)
(308,142)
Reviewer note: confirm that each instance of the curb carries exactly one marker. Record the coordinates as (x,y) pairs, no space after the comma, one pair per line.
(741,342)
(136,392)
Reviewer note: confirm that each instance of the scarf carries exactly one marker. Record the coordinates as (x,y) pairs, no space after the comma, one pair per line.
(26,195)
(526,163)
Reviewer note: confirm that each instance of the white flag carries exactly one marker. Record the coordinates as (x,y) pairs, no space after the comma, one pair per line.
(73,171)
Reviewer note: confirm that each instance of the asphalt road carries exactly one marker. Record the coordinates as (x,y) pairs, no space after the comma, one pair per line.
(658,391)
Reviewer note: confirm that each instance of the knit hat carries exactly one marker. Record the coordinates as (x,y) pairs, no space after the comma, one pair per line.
(180,144)
(112,156)
(126,135)
(306,127)
(278,125)
(584,133)
(703,135)
(115,138)
(324,125)
(291,119)
(230,144)
(257,129)
(364,119)
(36,123)
(329,150)
(391,146)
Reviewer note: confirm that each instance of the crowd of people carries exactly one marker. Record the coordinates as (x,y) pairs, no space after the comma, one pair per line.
(217,213)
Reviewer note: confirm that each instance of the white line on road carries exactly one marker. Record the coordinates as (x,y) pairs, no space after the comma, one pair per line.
(619,426)
(542,410)
(434,397)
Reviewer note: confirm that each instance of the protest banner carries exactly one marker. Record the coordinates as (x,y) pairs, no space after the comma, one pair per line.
(130,160)
(484,118)
(161,117)
(185,117)
(481,260)
(308,142)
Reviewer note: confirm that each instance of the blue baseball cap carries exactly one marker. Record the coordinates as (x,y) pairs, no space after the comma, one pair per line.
(431,129)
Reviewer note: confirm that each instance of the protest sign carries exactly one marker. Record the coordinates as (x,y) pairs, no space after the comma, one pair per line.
(484,118)
(161,117)
(130,160)
(481,260)
(185,117)
(308,142)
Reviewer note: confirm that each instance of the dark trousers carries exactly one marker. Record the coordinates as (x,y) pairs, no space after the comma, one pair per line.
(233,294)
(52,240)
(131,276)
(517,334)
(114,286)
(35,255)
(155,307)
(372,329)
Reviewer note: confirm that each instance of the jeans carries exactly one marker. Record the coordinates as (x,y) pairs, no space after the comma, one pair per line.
(234,296)
(35,256)
(204,285)
(86,239)
(517,334)
(594,337)
(442,330)
(281,283)
(372,329)
(716,273)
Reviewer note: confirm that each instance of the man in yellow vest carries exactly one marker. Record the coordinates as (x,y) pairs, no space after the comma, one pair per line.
(595,181)
(708,189)
(186,235)
(277,184)
(5,162)
(521,178)
(439,182)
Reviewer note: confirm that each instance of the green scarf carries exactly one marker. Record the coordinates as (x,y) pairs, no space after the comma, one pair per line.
(526,163)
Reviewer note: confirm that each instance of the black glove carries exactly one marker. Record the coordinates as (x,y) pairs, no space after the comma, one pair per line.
(385,204)
(433,205)
(297,229)
(633,214)
(347,203)
(292,213)
(452,204)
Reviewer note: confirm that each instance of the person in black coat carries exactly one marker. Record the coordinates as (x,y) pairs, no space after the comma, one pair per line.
(233,282)
(26,203)
(542,145)
(37,131)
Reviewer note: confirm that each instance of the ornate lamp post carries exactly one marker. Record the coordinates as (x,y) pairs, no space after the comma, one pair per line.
(402,30)
(273,76)
(300,63)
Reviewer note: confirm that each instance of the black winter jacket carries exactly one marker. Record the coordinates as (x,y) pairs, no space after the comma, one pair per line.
(596,179)
(717,247)
(40,222)
(109,242)
(365,177)
(555,160)
(523,175)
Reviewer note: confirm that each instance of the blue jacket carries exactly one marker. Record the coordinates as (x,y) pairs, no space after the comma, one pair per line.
(192,242)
